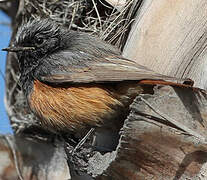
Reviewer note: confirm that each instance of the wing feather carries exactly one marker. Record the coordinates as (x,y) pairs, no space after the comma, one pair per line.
(110,69)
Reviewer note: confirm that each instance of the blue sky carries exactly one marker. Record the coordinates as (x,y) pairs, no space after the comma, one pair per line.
(5,33)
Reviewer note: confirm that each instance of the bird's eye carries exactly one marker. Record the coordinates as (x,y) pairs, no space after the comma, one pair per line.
(39,41)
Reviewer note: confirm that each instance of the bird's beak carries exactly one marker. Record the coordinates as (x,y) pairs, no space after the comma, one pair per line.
(16,49)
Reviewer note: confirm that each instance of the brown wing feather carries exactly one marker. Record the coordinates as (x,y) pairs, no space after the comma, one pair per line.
(112,69)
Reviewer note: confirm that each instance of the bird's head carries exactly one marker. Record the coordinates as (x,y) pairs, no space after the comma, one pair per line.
(34,40)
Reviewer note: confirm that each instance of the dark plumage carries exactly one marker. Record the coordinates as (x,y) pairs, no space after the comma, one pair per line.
(73,80)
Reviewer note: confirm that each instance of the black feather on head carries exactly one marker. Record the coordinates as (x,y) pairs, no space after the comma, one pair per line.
(36,32)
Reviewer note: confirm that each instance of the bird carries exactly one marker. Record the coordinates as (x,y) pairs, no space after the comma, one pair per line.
(74,81)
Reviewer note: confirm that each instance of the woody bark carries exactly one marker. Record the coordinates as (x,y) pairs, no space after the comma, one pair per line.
(164,136)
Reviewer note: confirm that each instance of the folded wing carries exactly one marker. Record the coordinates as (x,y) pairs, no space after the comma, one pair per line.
(110,69)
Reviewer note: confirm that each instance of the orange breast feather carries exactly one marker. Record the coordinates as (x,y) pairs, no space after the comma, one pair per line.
(71,107)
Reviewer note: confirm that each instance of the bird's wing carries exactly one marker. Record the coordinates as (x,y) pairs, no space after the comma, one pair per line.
(110,69)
